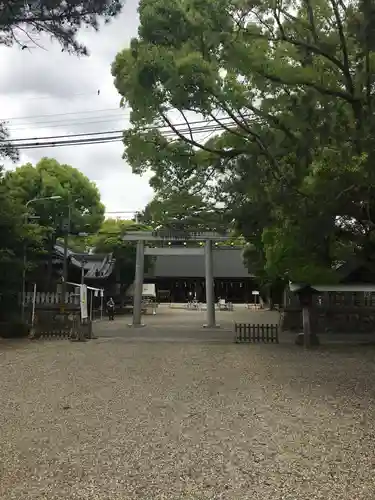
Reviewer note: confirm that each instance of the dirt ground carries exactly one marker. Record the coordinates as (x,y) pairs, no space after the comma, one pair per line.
(181,323)
(185,415)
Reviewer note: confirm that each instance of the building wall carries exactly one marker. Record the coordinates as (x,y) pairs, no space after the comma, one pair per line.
(233,290)
(227,263)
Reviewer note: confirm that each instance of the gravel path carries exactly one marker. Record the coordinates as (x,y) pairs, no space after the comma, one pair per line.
(112,419)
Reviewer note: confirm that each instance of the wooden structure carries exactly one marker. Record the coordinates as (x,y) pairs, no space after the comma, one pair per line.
(183,272)
(342,308)
(92,269)
(51,299)
(251,333)
(49,324)
(205,252)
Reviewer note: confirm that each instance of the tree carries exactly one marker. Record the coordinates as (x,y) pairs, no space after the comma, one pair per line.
(182,210)
(79,198)
(285,90)
(14,237)
(109,240)
(21,22)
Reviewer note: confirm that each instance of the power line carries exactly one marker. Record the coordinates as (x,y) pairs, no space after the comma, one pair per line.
(193,126)
(79,94)
(77,142)
(105,140)
(64,136)
(68,123)
(61,114)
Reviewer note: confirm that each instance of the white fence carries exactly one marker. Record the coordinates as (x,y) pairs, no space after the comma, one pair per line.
(46,298)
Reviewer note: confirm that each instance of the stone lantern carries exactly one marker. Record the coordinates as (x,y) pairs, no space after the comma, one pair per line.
(305,293)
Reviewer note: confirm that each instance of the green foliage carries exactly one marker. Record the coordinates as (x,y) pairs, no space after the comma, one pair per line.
(22,22)
(15,236)
(184,210)
(50,178)
(109,240)
(289,87)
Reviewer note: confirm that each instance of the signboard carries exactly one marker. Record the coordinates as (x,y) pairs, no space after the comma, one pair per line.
(171,234)
(255,292)
(149,290)
(83,301)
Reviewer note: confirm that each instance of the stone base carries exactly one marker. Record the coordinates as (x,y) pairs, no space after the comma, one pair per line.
(314,339)
(131,325)
(211,327)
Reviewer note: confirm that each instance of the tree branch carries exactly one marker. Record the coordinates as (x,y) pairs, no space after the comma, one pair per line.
(187,124)
(322,90)
(228,129)
(273,119)
(344,48)
(310,16)
(193,142)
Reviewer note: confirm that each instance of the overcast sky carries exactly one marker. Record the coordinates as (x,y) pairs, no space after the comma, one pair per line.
(48,82)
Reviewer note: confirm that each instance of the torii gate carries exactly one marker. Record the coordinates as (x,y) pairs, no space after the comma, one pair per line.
(142,236)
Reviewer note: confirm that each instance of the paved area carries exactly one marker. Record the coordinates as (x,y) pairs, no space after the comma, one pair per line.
(183,324)
(117,420)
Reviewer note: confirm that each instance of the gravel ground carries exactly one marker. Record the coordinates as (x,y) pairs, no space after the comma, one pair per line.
(113,419)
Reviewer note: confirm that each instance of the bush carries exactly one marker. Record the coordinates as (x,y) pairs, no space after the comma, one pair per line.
(14,329)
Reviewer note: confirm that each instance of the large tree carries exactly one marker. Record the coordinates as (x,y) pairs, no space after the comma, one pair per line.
(285,90)
(79,199)
(21,22)
(109,240)
(15,236)
(183,210)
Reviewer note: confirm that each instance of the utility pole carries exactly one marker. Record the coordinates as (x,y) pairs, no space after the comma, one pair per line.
(26,217)
(65,261)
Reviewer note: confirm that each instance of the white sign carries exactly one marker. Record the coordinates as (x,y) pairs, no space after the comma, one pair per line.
(255,292)
(83,301)
(149,290)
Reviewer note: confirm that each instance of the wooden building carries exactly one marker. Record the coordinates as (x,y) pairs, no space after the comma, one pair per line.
(177,275)
(345,307)
(94,269)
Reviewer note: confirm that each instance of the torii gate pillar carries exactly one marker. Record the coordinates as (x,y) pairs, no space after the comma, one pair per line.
(138,284)
(210,295)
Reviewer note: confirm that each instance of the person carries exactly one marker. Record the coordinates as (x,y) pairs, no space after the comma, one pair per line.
(111,309)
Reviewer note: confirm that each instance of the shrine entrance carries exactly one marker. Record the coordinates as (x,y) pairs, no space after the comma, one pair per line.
(206,250)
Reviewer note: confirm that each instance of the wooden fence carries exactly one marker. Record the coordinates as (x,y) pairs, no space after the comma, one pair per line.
(50,298)
(62,326)
(246,332)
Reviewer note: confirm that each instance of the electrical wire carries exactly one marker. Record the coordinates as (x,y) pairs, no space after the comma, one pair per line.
(75,122)
(83,112)
(107,135)
(105,140)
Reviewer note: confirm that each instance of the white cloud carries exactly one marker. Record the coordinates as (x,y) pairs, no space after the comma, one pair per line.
(50,93)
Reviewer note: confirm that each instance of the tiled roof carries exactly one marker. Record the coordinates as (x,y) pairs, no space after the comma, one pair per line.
(96,265)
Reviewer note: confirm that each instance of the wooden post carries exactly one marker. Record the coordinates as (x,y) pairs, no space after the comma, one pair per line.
(305,294)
